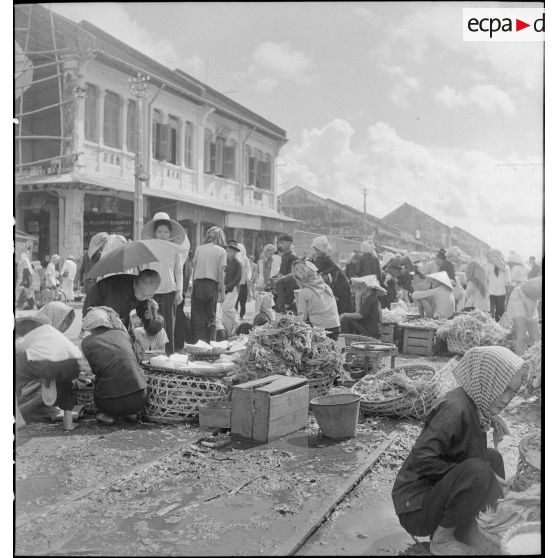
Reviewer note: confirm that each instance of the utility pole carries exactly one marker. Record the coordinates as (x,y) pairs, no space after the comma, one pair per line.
(138,87)
(364,217)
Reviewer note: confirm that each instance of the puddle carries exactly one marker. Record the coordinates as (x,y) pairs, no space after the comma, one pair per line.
(371,531)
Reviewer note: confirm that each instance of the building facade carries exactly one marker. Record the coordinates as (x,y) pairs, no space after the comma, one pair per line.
(434,233)
(326,216)
(206,159)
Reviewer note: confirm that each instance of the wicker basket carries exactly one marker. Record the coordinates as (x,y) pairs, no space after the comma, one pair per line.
(172,397)
(405,404)
(528,470)
(84,396)
(457,346)
(533,527)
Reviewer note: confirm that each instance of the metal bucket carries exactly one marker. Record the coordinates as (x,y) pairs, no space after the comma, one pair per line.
(337,415)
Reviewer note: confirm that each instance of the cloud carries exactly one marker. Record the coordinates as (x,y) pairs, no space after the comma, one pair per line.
(363,13)
(115,19)
(405,84)
(273,63)
(469,189)
(489,98)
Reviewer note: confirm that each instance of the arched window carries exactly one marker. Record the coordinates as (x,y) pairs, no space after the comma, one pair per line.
(91,113)
(111,128)
(189,145)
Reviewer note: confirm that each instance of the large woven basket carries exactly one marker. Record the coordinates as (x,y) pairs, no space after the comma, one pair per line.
(172,397)
(405,404)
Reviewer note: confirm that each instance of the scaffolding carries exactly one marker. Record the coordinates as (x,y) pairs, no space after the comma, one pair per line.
(43,45)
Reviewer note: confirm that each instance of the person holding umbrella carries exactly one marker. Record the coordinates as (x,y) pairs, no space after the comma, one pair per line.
(90,258)
(170,292)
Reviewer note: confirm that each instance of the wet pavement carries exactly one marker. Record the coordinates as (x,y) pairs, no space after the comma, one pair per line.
(245,499)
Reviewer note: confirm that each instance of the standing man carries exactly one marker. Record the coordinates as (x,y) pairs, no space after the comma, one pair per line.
(50,273)
(208,280)
(68,274)
(233,275)
(286,253)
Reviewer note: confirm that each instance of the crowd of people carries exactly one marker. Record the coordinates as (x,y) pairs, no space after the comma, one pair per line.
(129,314)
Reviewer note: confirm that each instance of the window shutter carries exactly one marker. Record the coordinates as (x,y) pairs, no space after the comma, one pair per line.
(252,171)
(207,153)
(266,174)
(165,142)
(259,168)
(155,139)
(229,153)
(246,165)
(188,137)
(212,154)
(173,144)
(111,124)
(219,145)
(91,114)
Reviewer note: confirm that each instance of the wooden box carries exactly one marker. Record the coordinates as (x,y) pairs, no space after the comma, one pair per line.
(387,333)
(418,341)
(269,408)
(216,414)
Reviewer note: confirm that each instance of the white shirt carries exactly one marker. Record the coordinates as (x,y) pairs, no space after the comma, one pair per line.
(497,285)
(156,342)
(69,267)
(50,275)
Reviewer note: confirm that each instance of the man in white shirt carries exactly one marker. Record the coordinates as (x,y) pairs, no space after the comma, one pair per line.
(68,273)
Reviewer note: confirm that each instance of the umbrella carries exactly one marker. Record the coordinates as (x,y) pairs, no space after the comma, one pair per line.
(135,254)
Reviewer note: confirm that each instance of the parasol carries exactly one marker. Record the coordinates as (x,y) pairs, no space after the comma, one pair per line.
(135,254)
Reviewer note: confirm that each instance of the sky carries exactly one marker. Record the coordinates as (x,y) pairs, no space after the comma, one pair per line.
(379,95)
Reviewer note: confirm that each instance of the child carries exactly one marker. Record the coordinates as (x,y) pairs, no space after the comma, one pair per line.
(152,335)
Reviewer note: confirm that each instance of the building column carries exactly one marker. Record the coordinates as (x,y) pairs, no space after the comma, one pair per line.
(71,223)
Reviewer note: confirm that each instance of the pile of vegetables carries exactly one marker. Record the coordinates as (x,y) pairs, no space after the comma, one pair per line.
(398,312)
(513,509)
(422,323)
(373,389)
(288,346)
(473,329)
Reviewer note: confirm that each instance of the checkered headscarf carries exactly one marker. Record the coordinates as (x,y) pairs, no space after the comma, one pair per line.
(485,373)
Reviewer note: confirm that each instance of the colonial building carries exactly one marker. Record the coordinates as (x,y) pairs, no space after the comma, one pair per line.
(326,216)
(206,159)
(434,233)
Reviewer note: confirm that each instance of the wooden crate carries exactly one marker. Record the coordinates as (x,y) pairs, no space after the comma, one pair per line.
(418,341)
(387,333)
(269,408)
(216,414)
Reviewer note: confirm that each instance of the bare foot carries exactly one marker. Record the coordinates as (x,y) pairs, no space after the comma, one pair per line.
(105,419)
(444,543)
(70,427)
(477,539)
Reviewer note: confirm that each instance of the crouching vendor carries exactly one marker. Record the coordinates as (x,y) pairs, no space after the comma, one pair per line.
(368,316)
(119,380)
(450,474)
(45,354)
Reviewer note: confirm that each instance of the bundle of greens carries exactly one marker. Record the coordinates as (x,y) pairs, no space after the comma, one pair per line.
(290,347)
(473,329)
(422,323)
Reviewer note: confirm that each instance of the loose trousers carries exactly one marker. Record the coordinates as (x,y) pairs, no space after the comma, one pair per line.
(229,313)
(205,293)
(167,309)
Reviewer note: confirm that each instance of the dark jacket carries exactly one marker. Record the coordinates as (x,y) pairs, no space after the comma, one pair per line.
(336,279)
(287,260)
(448,268)
(117,292)
(370,265)
(113,362)
(233,275)
(451,434)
